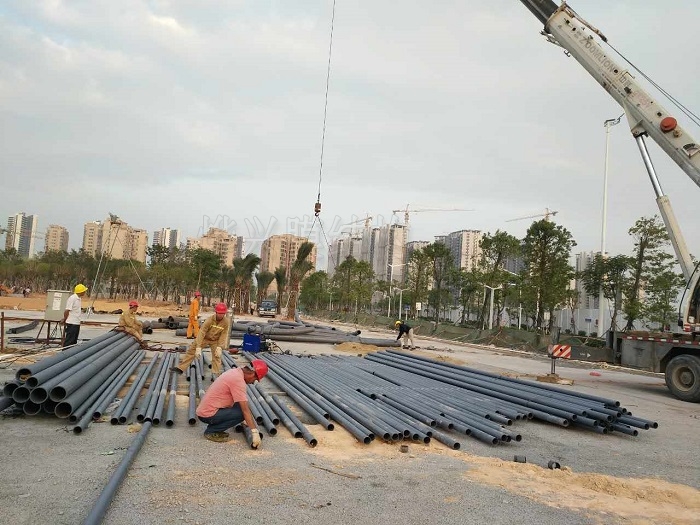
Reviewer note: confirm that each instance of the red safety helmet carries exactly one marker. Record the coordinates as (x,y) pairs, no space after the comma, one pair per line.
(260,368)
(198,294)
(133,304)
(221,308)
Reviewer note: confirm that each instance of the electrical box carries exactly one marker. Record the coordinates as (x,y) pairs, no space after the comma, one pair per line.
(251,343)
(56,304)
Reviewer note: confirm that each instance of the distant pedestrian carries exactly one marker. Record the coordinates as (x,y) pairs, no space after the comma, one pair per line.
(73,315)
(128,322)
(225,403)
(193,324)
(407,332)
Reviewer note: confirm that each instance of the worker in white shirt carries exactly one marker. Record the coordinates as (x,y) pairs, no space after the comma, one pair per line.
(72,315)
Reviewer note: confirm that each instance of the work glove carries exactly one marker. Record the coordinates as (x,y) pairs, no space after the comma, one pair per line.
(255,442)
(198,352)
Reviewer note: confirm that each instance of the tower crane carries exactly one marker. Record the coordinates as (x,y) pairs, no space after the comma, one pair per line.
(546,215)
(406,211)
(367,220)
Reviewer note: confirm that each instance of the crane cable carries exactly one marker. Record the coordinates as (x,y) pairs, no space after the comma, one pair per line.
(317,206)
(688,112)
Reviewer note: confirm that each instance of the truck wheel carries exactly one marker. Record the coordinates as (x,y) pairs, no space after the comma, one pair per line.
(683,377)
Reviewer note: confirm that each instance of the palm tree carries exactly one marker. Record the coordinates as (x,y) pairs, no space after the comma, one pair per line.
(300,267)
(264,279)
(250,264)
(281,282)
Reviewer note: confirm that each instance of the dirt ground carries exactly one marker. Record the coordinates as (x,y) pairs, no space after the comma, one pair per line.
(37,302)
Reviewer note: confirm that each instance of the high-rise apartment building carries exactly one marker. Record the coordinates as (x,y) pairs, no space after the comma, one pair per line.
(166,237)
(414,246)
(280,251)
(21,233)
(220,242)
(56,239)
(92,237)
(340,249)
(583,261)
(465,247)
(389,252)
(115,239)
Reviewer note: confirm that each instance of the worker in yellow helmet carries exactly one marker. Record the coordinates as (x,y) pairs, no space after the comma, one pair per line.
(73,315)
(407,332)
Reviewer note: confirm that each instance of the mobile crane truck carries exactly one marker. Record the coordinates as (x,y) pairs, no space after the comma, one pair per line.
(677,356)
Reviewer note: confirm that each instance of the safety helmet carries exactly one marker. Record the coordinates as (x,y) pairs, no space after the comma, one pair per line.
(221,308)
(80,288)
(397,323)
(260,368)
(133,304)
(198,294)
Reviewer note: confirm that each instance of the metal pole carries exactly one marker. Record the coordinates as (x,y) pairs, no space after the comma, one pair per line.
(401,304)
(2,331)
(601,297)
(391,276)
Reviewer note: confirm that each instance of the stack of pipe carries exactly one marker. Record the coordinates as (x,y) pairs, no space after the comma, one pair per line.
(396,396)
(147,327)
(305,333)
(78,383)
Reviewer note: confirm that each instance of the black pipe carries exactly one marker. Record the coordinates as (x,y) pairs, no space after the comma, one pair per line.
(264,404)
(284,418)
(143,405)
(133,394)
(10,387)
(99,510)
(158,390)
(96,408)
(30,408)
(192,407)
(66,406)
(100,391)
(170,415)
(308,437)
(23,328)
(23,373)
(66,387)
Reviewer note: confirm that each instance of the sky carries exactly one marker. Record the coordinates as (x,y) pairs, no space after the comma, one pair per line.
(196,113)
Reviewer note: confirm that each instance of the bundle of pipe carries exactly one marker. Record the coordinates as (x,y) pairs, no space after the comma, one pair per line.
(546,402)
(23,328)
(158,324)
(121,415)
(146,328)
(305,333)
(77,382)
(176,322)
(374,394)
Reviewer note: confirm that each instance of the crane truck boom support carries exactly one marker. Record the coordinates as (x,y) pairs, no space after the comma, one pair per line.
(646,117)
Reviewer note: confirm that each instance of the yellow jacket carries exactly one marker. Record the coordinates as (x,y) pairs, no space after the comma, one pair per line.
(194,308)
(213,333)
(129,324)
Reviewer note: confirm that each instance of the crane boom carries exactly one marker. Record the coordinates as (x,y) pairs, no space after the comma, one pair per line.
(645,116)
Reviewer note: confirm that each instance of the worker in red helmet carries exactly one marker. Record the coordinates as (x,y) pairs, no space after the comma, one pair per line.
(128,322)
(225,403)
(213,334)
(193,324)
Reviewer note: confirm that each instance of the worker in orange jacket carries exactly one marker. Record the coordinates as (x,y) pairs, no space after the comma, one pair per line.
(193,325)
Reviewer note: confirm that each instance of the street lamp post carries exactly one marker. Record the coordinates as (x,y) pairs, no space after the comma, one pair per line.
(520,297)
(493,290)
(401,291)
(391,278)
(601,297)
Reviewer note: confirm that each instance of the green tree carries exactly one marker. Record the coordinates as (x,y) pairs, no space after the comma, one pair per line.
(205,267)
(314,291)
(546,251)
(264,280)
(495,249)
(441,262)
(466,285)
(611,274)
(300,267)
(650,241)
(281,283)
(660,294)
(418,276)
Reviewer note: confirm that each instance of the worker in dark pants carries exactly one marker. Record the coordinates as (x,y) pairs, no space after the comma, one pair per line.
(406,332)
(225,404)
(73,314)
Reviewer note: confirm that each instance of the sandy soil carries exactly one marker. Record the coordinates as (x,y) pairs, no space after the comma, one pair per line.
(37,302)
